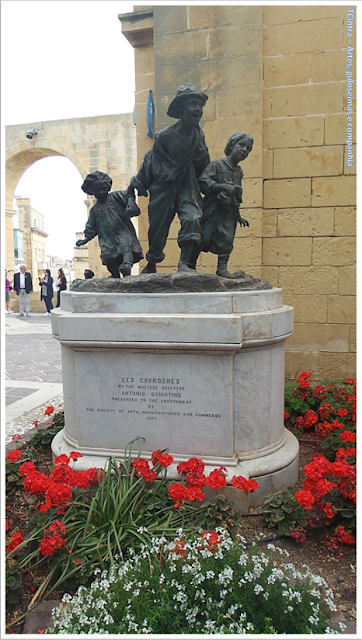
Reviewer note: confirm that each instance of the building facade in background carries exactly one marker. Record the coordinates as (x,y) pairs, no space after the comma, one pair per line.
(30,239)
(278,73)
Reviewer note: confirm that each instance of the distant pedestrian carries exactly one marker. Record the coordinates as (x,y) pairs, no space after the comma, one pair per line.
(61,285)
(46,290)
(23,285)
(8,288)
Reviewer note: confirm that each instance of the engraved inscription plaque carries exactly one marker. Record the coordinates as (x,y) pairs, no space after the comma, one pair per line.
(185,402)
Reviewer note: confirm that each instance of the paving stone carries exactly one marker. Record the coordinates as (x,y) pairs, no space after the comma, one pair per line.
(40,618)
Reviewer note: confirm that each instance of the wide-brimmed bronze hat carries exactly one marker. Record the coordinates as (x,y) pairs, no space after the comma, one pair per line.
(184,92)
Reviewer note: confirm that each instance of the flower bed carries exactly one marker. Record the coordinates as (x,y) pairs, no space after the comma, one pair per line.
(207,584)
(82,520)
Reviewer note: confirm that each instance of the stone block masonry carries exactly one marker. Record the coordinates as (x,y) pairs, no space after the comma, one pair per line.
(309,192)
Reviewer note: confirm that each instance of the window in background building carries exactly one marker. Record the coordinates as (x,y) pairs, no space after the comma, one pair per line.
(18,244)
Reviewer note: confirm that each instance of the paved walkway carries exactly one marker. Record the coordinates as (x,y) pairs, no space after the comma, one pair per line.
(33,371)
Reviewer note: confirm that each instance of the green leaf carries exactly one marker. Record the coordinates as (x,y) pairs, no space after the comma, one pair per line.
(277,516)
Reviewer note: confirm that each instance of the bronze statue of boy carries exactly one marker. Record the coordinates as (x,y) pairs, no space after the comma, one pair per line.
(110,220)
(169,172)
(221,185)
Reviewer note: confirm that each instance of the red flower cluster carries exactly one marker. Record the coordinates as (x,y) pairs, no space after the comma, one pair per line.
(211,539)
(16,539)
(245,485)
(14,455)
(16,437)
(193,465)
(57,487)
(163,459)
(216,479)
(320,391)
(49,410)
(298,533)
(324,410)
(53,538)
(316,486)
(142,469)
(195,481)
(348,436)
(179,549)
(286,415)
(305,498)
(310,418)
(343,536)
(304,380)
(178,492)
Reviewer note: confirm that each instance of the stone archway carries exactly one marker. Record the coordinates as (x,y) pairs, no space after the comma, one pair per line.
(104,143)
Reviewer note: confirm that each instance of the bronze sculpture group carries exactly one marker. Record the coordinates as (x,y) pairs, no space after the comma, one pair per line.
(174,172)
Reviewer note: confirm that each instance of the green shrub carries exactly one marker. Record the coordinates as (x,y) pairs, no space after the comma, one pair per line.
(282,511)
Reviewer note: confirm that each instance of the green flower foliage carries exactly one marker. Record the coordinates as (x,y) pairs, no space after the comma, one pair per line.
(281,511)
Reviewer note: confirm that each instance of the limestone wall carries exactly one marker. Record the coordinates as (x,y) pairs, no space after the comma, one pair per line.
(309,191)
(278,73)
(104,143)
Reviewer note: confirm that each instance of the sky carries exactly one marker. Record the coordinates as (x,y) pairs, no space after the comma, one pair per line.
(62,59)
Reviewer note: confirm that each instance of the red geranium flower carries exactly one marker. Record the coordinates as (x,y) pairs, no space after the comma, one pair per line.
(16,539)
(299,422)
(216,479)
(304,384)
(6,524)
(310,418)
(328,510)
(305,498)
(341,469)
(324,410)
(178,492)
(343,536)
(58,493)
(164,459)
(35,483)
(348,436)
(351,381)
(319,392)
(193,465)
(62,459)
(35,423)
(142,469)
(242,483)
(318,467)
(212,539)
(61,473)
(342,412)
(16,437)
(92,475)
(195,493)
(26,468)
(49,410)
(74,455)
(286,415)
(79,479)
(14,455)
(346,453)
(179,549)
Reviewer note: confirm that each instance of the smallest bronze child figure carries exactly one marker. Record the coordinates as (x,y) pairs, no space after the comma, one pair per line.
(109,219)
(220,182)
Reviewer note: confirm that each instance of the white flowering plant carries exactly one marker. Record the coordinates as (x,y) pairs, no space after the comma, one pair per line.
(205,584)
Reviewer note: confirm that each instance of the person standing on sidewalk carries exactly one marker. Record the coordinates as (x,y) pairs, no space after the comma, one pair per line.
(8,288)
(23,285)
(46,290)
(61,285)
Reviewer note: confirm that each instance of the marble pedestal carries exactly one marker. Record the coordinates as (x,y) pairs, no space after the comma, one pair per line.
(201,374)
